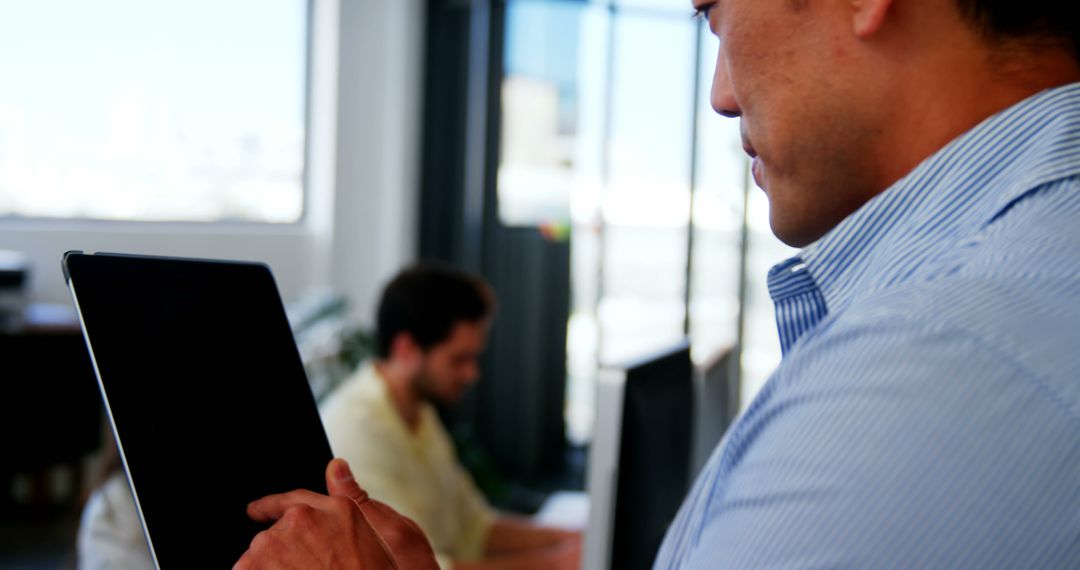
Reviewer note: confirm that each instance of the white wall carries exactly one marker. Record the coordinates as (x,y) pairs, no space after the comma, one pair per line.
(378,156)
(360,225)
(287,249)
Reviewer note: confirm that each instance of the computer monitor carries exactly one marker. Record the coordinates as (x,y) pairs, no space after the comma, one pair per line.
(639,461)
(716,400)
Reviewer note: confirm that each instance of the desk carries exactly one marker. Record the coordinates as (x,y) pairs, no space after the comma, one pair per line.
(50,407)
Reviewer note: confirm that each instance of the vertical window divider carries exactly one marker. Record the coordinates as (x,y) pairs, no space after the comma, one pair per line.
(694,140)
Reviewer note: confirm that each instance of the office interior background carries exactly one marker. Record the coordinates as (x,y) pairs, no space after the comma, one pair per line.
(564,149)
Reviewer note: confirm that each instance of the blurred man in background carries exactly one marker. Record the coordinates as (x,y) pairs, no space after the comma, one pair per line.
(432,326)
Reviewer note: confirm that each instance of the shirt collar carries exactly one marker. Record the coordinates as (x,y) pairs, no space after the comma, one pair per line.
(955,192)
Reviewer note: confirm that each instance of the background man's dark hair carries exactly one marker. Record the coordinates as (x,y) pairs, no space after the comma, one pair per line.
(426,301)
(1037,20)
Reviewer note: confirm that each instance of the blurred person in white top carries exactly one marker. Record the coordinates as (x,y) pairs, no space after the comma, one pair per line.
(110,536)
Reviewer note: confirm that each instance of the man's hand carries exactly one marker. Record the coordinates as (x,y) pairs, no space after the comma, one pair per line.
(346,529)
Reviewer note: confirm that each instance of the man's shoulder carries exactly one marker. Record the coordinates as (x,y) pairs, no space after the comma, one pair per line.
(359,413)
(916,404)
(1009,292)
(947,396)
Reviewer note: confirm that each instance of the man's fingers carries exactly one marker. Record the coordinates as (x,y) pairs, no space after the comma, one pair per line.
(345,525)
(340,481)
(399,534)
(273,507)
(402,536)
(309,538)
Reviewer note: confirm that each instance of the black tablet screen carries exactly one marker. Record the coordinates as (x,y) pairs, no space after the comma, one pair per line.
(206,392)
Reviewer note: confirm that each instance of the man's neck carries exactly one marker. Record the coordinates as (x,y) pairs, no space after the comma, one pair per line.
(934,77)
(402,395)
(957,108)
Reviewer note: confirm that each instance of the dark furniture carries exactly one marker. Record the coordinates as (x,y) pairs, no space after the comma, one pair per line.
(50,411)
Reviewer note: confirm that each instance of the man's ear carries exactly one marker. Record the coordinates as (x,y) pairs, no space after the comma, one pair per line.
(405,351)
(868,16)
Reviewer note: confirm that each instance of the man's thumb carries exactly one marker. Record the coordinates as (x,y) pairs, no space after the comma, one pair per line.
(340,481)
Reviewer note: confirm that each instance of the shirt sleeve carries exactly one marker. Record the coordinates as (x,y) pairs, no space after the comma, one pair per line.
(372,457)
(888,443)
(476,517)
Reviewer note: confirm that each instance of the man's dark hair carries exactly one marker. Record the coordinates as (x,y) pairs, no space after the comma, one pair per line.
(1038,20)
(426,301)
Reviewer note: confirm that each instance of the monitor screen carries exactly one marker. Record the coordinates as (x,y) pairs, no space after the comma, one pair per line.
(717,395)
(639,464)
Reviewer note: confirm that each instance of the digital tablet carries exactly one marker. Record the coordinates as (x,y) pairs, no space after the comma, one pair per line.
(206,394)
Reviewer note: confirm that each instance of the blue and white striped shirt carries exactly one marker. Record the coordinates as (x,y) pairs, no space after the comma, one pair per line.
(926,413)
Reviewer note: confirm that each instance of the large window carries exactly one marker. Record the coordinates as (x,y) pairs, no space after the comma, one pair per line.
(153,111)
(607,131)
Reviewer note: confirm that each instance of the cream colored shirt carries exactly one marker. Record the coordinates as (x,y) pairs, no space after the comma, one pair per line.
(416,473)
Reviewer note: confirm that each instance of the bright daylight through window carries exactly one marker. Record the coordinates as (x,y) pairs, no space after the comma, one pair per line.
(153,111)
(606,143)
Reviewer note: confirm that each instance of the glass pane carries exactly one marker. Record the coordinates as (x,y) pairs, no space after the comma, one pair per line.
(761,342)
(552,158)
(583,332)
(596,133)
(131,110)
(539,113)
(722,172)
(646,208)
(666,7)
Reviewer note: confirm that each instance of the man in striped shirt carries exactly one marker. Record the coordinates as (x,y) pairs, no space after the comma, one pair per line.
(926,153)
